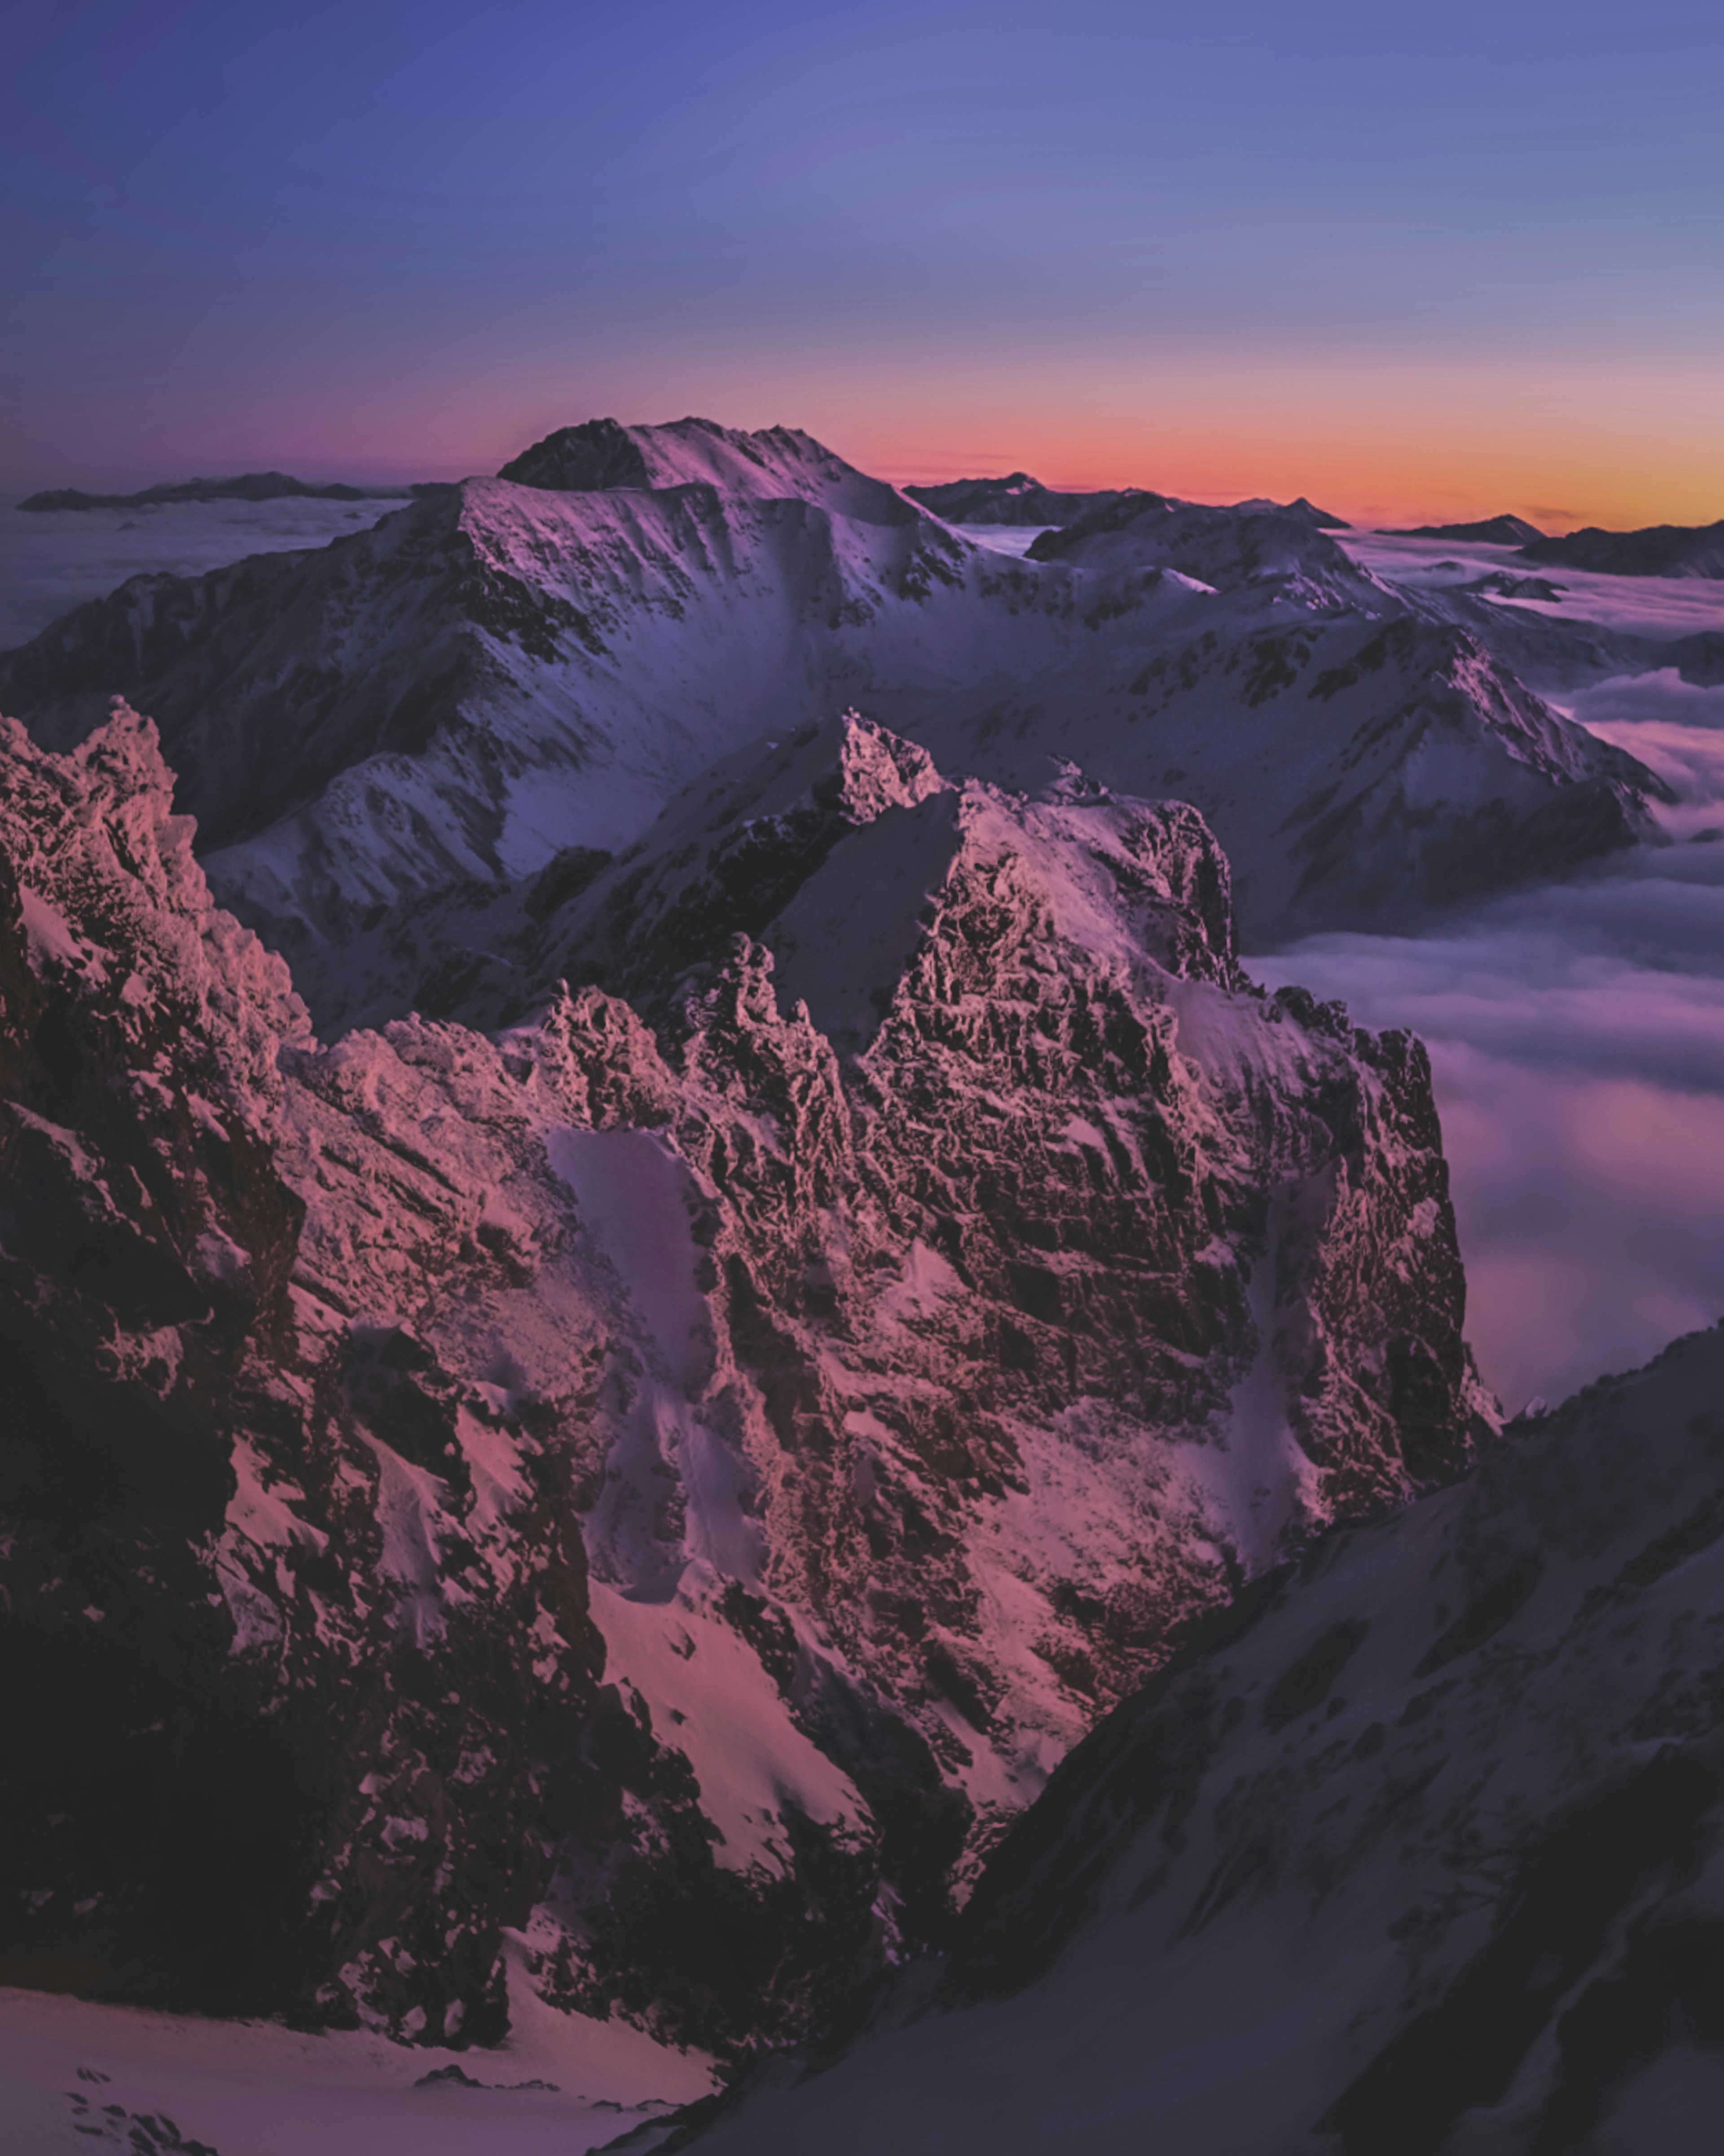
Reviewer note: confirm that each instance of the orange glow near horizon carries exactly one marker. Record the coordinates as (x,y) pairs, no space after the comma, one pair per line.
(1378,438)
(1400,446)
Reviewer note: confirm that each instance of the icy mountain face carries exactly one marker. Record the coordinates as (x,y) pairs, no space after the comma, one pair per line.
(1415,1849)
(427,712)
(674,1492)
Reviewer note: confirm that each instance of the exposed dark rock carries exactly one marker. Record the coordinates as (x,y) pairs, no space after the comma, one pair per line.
(1661,550)
(1309,1890)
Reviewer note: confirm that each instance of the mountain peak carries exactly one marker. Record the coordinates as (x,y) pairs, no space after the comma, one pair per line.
(774,464)
(1487,531)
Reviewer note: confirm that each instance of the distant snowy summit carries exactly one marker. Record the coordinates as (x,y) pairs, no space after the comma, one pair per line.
(1303,511)
(1019,500)
(248,486)
(1487,531)
(1016,499)
(1657,550)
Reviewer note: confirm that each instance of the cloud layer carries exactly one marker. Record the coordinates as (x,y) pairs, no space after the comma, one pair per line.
(53,560)
(1577,1034)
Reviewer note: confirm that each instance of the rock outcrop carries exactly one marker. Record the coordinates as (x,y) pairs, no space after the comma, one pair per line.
(1415,1848)
(655,1498)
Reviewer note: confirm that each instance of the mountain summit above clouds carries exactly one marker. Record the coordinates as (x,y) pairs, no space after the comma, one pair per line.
(428,713)
(1489,530)
(1015,500)
(1661,550)
(776,464)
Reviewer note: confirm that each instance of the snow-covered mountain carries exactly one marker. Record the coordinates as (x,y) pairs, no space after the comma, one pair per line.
(669,1493)
(435,708)
(1413,1850)
(1015,500)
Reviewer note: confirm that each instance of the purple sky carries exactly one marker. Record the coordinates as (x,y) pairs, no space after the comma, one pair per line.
(1404,259)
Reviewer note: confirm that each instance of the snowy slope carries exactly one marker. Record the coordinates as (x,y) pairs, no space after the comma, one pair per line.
(525,665)
(73,2073)
(675,1493)
(1016,499)
(1413,1850)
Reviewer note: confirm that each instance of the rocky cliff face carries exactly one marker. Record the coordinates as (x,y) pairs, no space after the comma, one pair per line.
(1416,1848)
(429,712)
(654,1499)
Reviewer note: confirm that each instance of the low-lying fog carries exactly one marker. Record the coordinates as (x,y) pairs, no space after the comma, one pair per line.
(52,560)
(1576,1033)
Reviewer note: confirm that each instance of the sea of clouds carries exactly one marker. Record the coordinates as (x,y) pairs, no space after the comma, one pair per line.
(1576,1036)
(54,559)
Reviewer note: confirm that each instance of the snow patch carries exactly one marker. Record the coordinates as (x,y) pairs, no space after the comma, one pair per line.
(710,1699)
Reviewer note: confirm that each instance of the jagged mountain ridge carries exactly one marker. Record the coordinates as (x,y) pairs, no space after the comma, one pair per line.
(507,670)
(671,1494)
(1414,1850)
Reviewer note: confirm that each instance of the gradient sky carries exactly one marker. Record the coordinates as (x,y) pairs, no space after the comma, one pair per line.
(1410,261)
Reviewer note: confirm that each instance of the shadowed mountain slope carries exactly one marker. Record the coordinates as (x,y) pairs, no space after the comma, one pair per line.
(1490,530)
(1414,1850)
(1661,550)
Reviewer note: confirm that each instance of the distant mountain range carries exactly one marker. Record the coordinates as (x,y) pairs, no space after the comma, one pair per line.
(250,486)
(1019,500)
(1660,550)
(1490,530)
(422,716)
